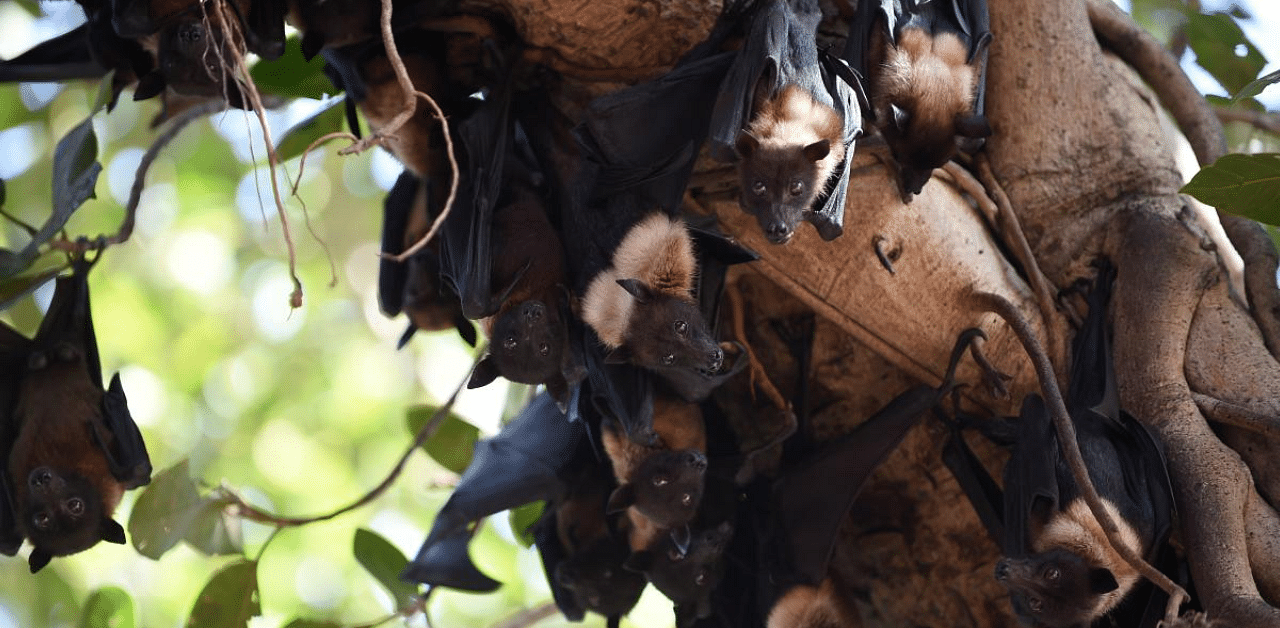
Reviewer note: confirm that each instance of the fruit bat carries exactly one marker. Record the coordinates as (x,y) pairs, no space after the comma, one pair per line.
(925,62)
(414,286)
(686,576)
(526,462)
(70,448)
(789,121)
(1058,567)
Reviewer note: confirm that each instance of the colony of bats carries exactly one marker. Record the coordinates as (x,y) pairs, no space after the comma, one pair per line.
(571,241)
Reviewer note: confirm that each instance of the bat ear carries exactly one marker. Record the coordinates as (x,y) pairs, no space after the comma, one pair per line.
(901,117)
(621,498)
(972,125)
(486,371)
(406,336)
(817,150)
(639,562)
(312,43)
(112,532)
(38,559)
(746,145)
(621,355)
(149,85)
(465,328)
(636,289)
(1102,581)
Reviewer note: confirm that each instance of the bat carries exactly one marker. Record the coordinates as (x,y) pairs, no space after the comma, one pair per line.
(807,509)
(336,23)
(582,551)
(526,462)
(925,63)
(1057,565)
(789,123)
(659,486)
(686,577)
(414,286)
(70,449)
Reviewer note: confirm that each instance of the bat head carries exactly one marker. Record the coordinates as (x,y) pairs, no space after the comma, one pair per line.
(528,342)
(921,143)
(1055,589)
(666,331)
(666,487)
(198,53)
(780,182)
(689,577)
(597,580)
(63,513)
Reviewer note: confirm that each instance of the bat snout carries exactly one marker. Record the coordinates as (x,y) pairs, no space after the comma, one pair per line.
(43,479)
(533,311)
(696,460)
(1002,571)
(778,232)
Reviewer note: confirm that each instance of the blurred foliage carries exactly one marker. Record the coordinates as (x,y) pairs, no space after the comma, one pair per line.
(1244,185)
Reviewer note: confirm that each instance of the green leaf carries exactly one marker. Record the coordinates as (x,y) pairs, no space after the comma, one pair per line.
(53,600)
(327,120)
(291,75)
(1244,185)
(1249,91)
(229,599)
(164,512)
(384,562)
(13,287)
(75,173)
(522,519)
(1214,38)
(452,444)
(108,607)
(213,530)
(311,623)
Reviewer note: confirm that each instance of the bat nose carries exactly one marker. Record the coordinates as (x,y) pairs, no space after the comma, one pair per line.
(717,359)
(40,477)
(697,460)
(533,311)
(1002,571)
(777,232)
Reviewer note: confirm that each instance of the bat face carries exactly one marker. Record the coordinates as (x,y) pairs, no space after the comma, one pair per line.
(196,59)
(779,183)
(668,332)
(1055,589)
(686,578)
(597,580)
(667,486)
(529,340)
(63,513)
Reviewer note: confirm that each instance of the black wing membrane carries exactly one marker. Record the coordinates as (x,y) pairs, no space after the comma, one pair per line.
(14,348)
(522,464)
(781,49)
(392,275)
(62,58)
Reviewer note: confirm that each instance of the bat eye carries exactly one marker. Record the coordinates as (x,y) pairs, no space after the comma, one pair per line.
(1035,605)
(686,499)
(675,555)
(660,481)
(510,343)
(758,188)
(668,359)
(681,327)
(797,187)
(75,506)
(701,578)
(608,573)
(544,349)
(1052,574)
(42,520)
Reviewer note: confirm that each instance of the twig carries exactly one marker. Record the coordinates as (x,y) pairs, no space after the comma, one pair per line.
(402,77)
(253,513)
(1268,121)
(453,187)
(1235,415)
(302,161)
(529,616)
(179,123)
(1011,230)
(1071,447)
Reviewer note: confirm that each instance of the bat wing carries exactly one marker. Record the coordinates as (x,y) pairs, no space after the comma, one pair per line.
(621,392)
(266,27)
(755,71)
(395,219)
(466,256)
(68,322)
(811,507)
(1030,478)
(65,57)
(984,494)
(553,554)
(520,465)
(446,563)
(14,348)
(127,452)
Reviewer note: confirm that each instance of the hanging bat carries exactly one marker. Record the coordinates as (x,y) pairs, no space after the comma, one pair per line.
(70,449)
(807,509)
(686,576)
(525,462)
(789,122)
(414,286)
(925,63)
(1058,566)
(582,551)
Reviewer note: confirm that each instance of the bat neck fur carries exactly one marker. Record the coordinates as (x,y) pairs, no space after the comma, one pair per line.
(929,77)
(1076,530)
(657,252)
(793,119)
(805,606)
